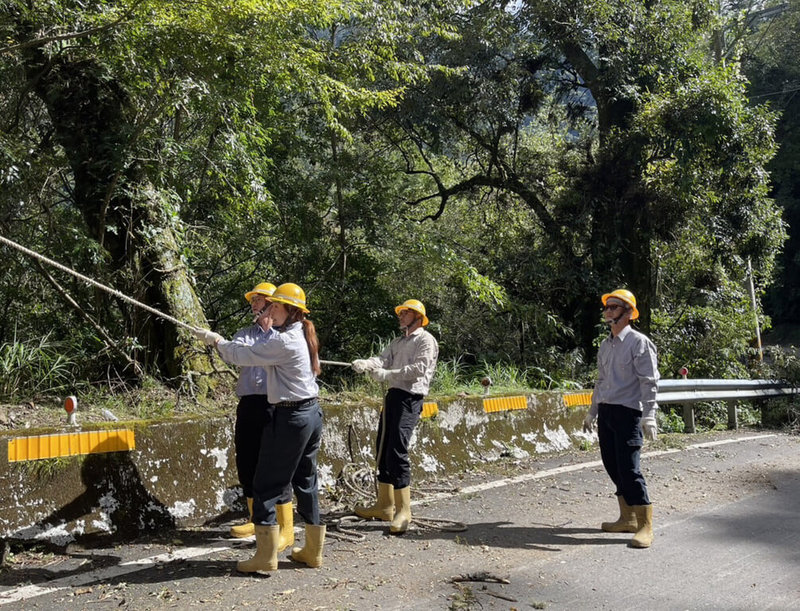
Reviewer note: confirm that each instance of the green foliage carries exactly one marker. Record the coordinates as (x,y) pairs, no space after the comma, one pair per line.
(770,53)
(34,368)
(712,339)
(451,376)
(782,363)
(505,164)
(670,422)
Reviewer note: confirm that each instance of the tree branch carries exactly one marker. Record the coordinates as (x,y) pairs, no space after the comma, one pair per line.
(40,42)
(100,330)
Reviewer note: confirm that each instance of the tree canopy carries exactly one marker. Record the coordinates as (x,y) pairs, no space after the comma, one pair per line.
(506,163)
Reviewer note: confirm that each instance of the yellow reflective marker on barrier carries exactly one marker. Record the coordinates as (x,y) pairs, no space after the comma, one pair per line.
(429,410)
(502,404)
(578,399)
(70,444)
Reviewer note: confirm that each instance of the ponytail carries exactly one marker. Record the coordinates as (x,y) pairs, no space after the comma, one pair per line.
(313,345)
(296,314)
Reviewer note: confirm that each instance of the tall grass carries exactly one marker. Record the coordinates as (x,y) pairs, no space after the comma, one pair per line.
(34,368)
(451,377)
(454,376)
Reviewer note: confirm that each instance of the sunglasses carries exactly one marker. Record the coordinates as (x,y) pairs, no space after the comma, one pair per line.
(612,307)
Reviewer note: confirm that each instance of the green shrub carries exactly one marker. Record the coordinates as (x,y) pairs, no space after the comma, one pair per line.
(34,368)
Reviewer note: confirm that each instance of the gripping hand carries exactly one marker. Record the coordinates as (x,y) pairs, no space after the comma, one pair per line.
(381,374)
(362,365)
(209,338)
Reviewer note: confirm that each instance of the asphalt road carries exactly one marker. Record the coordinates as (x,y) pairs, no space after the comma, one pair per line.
(727,536)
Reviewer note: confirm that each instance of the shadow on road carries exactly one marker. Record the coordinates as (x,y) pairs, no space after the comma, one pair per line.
(506,535)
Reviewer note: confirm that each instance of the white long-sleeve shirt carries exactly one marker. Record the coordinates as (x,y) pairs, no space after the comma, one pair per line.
(285,359)
(412,359)
(627,373)
(252,380)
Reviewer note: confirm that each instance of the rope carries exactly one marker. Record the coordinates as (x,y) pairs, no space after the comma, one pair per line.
(357,483)
(95,283)
(116,293)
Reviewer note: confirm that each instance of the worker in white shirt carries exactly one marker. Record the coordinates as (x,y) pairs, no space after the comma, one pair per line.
(290,444)
(407,365)
(624,404)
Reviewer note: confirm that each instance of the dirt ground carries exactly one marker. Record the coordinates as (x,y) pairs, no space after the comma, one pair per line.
(530,525)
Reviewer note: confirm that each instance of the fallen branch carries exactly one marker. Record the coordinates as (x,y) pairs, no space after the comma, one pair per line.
(501,596)
(482,576)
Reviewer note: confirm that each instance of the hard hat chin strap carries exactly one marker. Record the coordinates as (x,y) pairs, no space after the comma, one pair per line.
(413,326)
(614,321)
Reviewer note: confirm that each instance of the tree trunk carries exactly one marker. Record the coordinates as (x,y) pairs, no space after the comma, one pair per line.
(130,219)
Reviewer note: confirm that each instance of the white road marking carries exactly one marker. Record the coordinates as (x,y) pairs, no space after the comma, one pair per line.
(15,595)
(27,592)
(526,477)
(21,593)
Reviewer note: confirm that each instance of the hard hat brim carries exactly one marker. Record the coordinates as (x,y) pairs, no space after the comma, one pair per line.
(302,308)
(401,307)
(634,309)
(249,295)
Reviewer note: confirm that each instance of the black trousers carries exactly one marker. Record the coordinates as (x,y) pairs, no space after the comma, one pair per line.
(401,412)
(619,431)
(288,460)
(252,414)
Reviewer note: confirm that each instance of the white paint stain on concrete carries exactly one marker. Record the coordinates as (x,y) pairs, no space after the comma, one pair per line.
(325,477)
(220,455)
(183,509)
(451,417)
(557,440)
(429,464)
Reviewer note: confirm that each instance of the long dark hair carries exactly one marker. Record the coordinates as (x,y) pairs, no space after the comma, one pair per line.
(295,315)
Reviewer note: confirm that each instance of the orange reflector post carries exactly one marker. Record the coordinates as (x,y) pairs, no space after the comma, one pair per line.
(502,404)
(70,444)
(429,410)
(578,399)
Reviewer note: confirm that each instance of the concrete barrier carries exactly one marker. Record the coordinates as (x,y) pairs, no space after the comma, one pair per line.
(181,472)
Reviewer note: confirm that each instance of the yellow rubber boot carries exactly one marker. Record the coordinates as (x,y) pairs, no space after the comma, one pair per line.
(246,529)
(383,509)
(285,513)
(402,511)
(266,558)
(644,518)
(311,553)
(626,523)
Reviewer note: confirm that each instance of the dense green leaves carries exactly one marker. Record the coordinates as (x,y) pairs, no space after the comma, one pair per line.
(504,162)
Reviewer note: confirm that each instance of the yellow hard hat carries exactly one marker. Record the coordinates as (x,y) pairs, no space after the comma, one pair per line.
(263,288)
(290,294)
(413,304)
(625,296)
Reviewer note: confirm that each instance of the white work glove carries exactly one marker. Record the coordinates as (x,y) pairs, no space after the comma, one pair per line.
(381,374)
(588,423)
(209,338)
(650,428)
(362,365)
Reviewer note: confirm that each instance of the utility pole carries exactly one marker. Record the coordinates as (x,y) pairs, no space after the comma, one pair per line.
(751,286)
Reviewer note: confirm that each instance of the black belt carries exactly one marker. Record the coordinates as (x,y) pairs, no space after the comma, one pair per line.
(300,403)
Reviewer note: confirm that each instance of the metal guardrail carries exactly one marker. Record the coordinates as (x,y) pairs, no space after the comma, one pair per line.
(688,392)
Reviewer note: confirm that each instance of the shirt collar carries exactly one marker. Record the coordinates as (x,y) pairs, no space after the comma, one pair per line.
(624,333)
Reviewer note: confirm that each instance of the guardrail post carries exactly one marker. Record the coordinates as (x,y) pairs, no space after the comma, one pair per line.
(733,421)
(688,418)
